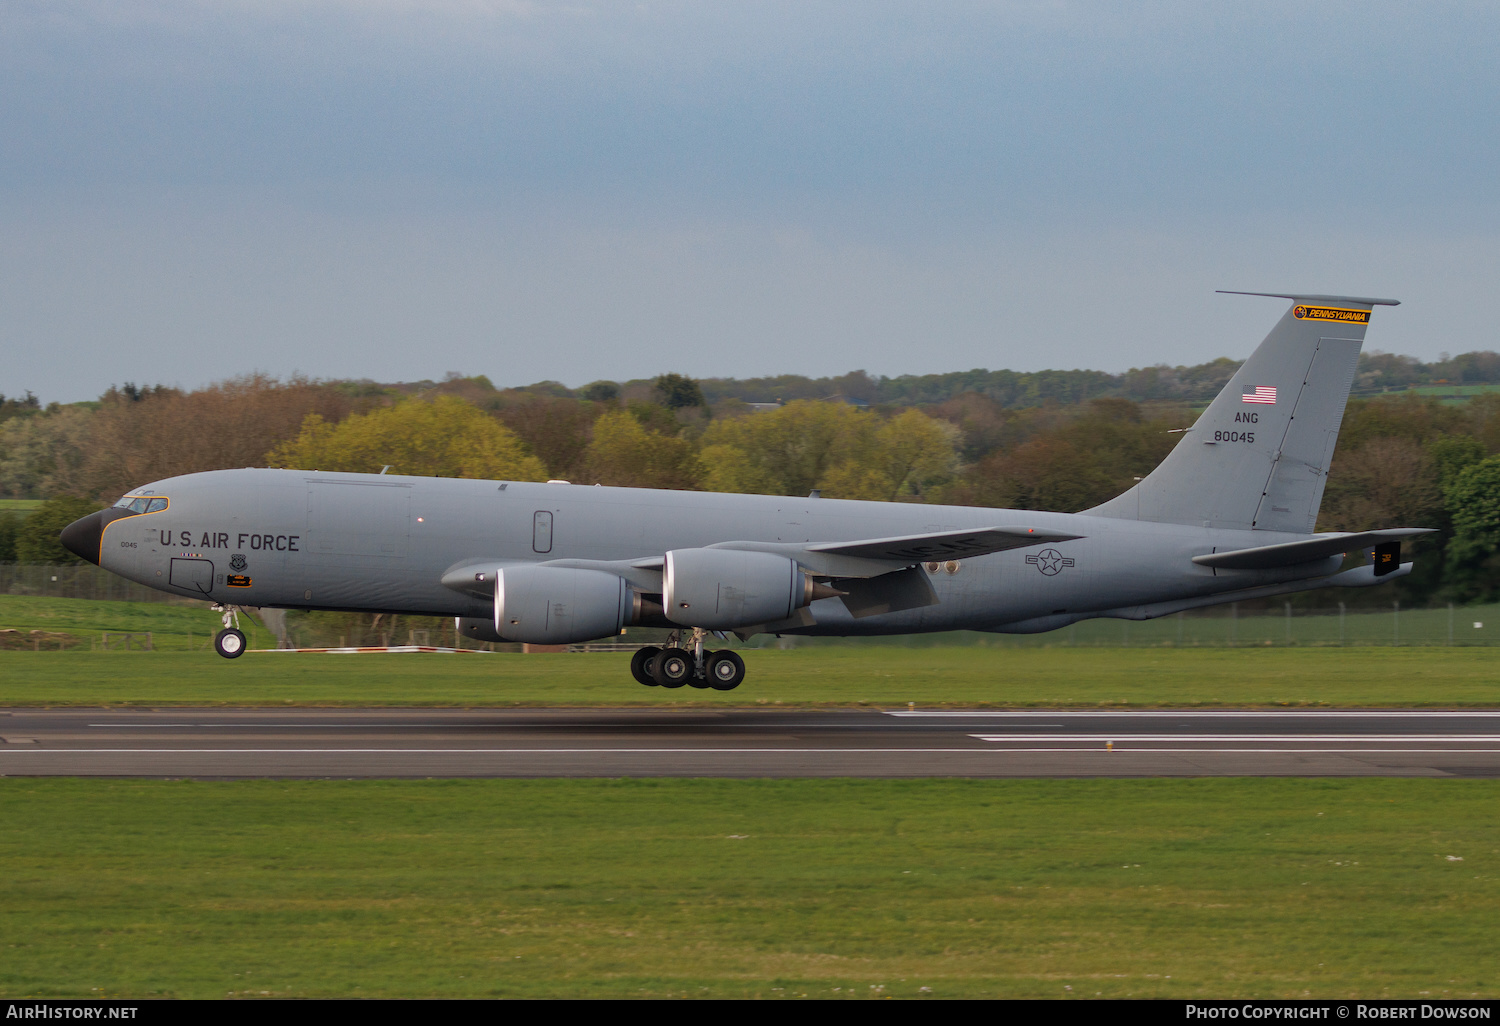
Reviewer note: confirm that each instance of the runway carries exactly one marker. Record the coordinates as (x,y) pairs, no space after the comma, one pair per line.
(234,743)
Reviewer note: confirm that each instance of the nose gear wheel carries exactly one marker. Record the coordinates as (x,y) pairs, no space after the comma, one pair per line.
(230,643)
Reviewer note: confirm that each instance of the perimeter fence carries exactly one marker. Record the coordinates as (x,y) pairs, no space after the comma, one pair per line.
(1229,626)
(79,581)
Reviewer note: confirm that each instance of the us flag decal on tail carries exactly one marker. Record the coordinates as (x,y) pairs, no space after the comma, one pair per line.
(1262,394)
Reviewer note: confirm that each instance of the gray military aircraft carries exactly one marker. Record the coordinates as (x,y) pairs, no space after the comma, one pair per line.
(1227,516)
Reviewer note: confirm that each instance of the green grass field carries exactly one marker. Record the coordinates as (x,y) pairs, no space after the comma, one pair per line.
(930,671)
(717,888)
(812,676)
(713,888)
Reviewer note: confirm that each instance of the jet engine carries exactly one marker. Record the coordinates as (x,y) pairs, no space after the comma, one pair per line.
(477,628)
(721,589)
(554,605)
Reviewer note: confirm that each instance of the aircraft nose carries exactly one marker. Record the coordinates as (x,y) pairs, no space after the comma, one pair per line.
(82,536)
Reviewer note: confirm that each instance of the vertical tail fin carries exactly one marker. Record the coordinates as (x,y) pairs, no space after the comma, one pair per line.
(1258,457)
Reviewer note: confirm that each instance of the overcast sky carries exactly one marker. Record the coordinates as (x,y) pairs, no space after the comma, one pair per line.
(394,190)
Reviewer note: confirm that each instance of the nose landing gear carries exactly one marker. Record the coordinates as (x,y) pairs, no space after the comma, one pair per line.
(229,642)
(674,665)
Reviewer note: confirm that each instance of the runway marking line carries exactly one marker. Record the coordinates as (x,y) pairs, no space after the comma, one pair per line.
(1263,738)
(714,751)
(1405,714)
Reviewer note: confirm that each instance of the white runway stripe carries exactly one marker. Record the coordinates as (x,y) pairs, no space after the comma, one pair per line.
(1247,738)
(492,751)
(1052,714)
(1098,742)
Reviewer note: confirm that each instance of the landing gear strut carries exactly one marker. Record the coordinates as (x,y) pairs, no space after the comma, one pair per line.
(229,642)
(678,664)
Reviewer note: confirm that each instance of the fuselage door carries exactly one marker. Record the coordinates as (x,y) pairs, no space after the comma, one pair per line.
(541,531)
(192,575)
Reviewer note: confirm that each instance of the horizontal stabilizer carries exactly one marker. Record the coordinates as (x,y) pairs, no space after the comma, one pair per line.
(1310,297)
(1266,557)
(917,548)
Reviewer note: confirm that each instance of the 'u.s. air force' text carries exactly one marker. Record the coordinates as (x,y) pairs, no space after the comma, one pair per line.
(220,540)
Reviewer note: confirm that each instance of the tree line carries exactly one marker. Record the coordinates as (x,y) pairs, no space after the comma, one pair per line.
(1402,460)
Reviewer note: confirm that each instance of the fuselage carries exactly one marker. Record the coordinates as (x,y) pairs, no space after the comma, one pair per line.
(364,542)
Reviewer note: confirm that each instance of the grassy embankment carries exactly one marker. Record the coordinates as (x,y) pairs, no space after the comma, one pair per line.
(833,676)
(822,888)
(1084,675)
(172,627)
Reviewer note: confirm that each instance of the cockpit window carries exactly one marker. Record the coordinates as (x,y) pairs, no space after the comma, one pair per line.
(141,504)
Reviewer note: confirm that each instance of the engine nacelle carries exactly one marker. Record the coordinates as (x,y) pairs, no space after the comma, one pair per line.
(721,589)
(476,628)
(555,605)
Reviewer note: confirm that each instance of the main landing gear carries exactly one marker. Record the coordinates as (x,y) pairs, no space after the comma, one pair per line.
(674,666)
(229,642)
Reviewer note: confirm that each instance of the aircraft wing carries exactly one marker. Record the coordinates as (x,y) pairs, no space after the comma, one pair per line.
(872,557)
(918,548)
(1266,557)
